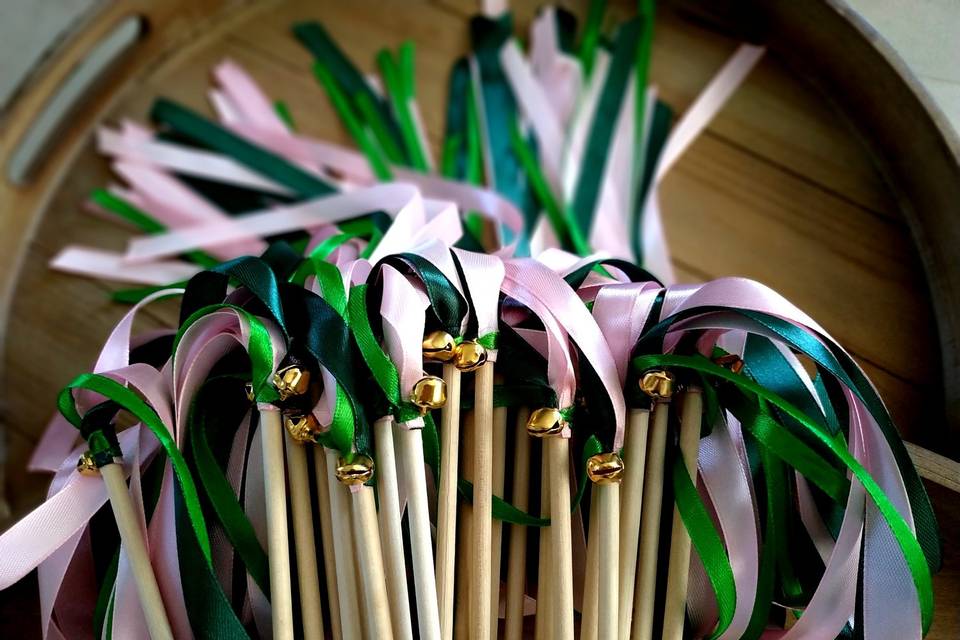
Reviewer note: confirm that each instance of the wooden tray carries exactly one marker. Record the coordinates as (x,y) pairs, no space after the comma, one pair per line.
(781,188)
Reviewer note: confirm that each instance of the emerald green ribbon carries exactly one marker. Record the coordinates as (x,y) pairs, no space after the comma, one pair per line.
(379,163)
(843,370)
(707,542)
(591,36)
(143,221)
(131,402)
(568,235)
(399,83)
(907,541)
(383,370)
(259,348)
(211,411)
(375,111)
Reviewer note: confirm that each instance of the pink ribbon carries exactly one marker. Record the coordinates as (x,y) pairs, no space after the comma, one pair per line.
(540,289)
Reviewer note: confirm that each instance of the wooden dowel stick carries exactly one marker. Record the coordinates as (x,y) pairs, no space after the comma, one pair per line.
(343,552)
(632,499)
(561,541)
(482,503)
(591,596)
(517,552)
(370,560)
(278,543)
(131,536)
(543,623)
(447,498)
(608,534)
(410,446)
(304,541)
(326,537)
(496,531)
(646,584)
(464,539)
(678,570)
(390,530)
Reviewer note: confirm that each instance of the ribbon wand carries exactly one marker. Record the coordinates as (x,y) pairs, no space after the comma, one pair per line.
(403,310)
(327,539)
(391,531)
(482,276)
(658,385)
(343,549)
(605,470)
(301,429)
(132,539)
(679,563)
(354,471)
(631,500)
(281,598)
(439,347)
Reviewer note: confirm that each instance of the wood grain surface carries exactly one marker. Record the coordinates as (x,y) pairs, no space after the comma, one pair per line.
(779,189)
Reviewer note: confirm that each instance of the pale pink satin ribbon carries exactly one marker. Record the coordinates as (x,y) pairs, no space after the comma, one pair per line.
(109,265)
(621,311)
(403,308)
(60,436)
(828,614)
(484,276)
(535,285)
(177,206)
(243,92)
(399,200)
(559,73)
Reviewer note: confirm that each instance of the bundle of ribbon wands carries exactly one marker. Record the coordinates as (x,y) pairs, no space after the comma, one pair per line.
(400,404)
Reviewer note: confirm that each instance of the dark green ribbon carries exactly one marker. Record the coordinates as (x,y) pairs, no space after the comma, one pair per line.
(375,110)
(595,154)
(215,408)
(131,402)
(907,541)
(213,136)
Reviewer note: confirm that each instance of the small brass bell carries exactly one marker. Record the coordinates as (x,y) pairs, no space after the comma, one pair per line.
(302,428)
(470,356)
(605,468)
(86,466)
(439,346)
(429,393)
(248,387)
(291,381)
(546,422)
(357,471)
(731,361)
(657,384)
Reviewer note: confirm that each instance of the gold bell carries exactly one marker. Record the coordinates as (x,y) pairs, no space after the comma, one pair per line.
(86,465)
(302,428)
(429,393)
(357,471)
(657,384)
(439,346)
(291,381)
(248,387)
(470,356)
(546,422)
(605,468)
(731,361)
